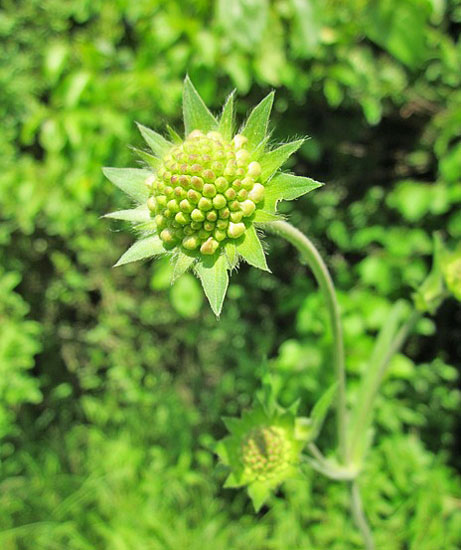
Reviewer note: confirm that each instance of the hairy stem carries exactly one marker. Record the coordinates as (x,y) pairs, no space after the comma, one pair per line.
(312,257)
(360,518)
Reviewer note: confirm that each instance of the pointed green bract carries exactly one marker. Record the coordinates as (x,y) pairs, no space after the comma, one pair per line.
(136,215)
(273,160)
(183,263)
(259,493)
(215,280)
(231,255)
(226,122)
(175,137)
(196,113)
(252,251)
(263,216)
(130,180)
(149,159)
(256,126)
(145,248)
(159,145)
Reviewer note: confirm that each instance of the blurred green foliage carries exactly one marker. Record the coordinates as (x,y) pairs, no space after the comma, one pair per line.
(112,384)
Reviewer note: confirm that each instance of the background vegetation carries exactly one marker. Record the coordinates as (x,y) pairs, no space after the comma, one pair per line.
(112,384)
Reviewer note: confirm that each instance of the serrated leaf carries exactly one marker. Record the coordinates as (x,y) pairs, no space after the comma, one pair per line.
(196,113)
(259,493)
(251,249)
(274,159)
(226,122)
(287,187)
(183,263)
(140,214)
(149,159)
(145,248)
(321,408)
(215,280)
(159,145)
(130,181)
(263,216)
(256,126)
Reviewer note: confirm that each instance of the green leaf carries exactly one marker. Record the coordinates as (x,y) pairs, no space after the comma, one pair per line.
(183,263)
(130,181)
(251,249)
(186,296)
(256,126)
(215,280)
(175,137)
(196,113)
(149,159)
(259,492)
(231,255)
(273,160)
(226,122)
(262,216)
(159,145)
(140,214)
(287,187)
(145,248)
(321,408)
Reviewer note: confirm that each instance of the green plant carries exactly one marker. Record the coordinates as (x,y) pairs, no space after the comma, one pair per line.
(199,200)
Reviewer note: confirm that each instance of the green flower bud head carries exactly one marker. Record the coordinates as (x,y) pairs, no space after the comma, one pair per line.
(211,176)
(262,451)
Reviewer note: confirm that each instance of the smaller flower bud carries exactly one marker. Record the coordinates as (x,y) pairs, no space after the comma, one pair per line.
(234,206)
(219,201)
(185,206)
(196,225)
(197,183)
(149,182)
(209,190)
(242,194)
(230,194)
(167,236)
(194,169)
(236,216)
(219,234)
(203,234)
(247,207)
(237,184)
(151,204)
(222,224)
(212,216)
(160,221)
(235,230)
(184,180)
(240,172)
(247,183)
(239,141)
(208,226)
(197,215)
(179,192)
(242,156)
(193,196)
(195,134)
(221,184)
(161,200)
(214,135)
(209,175)
(205,204)
(173,206)
(209,247)
(257,193)
(224,213)
(191,242)
(182,218)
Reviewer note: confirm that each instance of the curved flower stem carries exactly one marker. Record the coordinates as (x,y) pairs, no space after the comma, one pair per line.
(312,257)
(360,518)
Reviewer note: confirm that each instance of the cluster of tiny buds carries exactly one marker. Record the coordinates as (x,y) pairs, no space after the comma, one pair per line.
(265,452)
(205,193)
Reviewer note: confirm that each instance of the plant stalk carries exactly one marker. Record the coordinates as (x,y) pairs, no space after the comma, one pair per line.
(312,257)
(359,517)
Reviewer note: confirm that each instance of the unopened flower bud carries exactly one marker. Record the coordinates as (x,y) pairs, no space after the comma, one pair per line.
(205,204)
(197,215)
(235,230)
(191,242)
(239,141)
(210,246)
(257,193)
(247,207)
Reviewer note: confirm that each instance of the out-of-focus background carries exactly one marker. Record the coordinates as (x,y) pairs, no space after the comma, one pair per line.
(112,383)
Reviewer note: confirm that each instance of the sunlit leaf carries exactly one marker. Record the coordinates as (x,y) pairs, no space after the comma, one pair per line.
(145,248)
(196,113)
(273,160)
(252,251)
(215,280)
(140,214)
(159,145)
(129,180)
(256,126)
(226,122)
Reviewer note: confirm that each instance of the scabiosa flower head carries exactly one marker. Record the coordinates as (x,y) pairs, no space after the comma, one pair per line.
(200,199)
(262,451)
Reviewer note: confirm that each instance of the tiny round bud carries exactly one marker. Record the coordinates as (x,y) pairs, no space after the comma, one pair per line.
(203,234)
(209,247)
(151,204)
(197,183)
(173,206)
(194,169)
(150,180)
(182,218)
(167,236)
(161,200)
(235,230)
(219,234)
(239,141)
(195,134)
(214,135)
(222,224)
(191,242)
(236,217)
(196,225)
(242,156)
(205,204)
(208,226)
(247,207)
(221,184)
(179,192)
(209,190)
(257,193)
(230,194)
(224,213)
(234,205)
(185,206)
(247,183)
(197,215)
(193,196)
(209,175)
(212,216)
(219,201)
(160,221)
(242,194)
